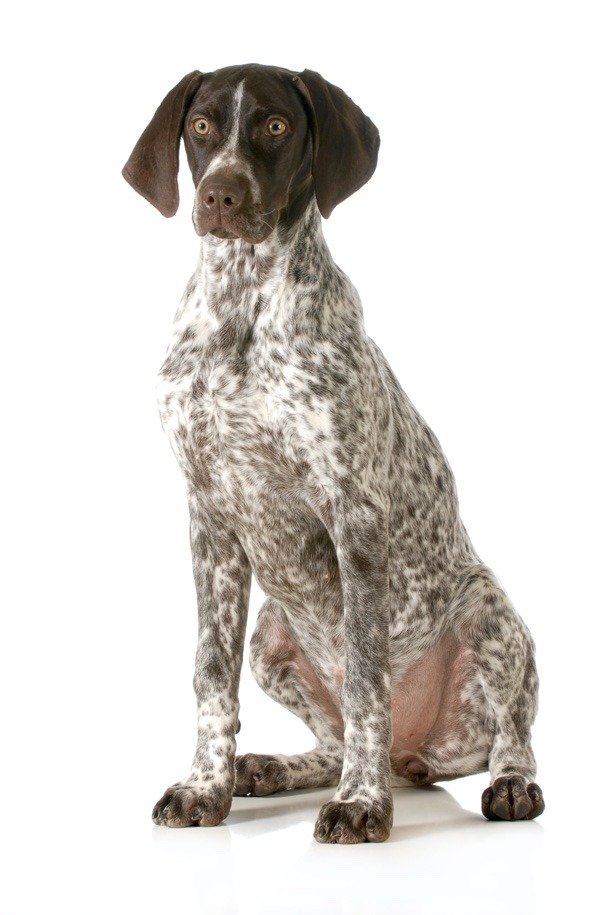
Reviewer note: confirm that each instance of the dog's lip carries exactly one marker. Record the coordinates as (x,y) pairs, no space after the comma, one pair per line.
(252,237)
(250,227)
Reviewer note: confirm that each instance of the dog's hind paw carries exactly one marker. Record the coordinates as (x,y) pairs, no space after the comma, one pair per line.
(258,776)
(511,798)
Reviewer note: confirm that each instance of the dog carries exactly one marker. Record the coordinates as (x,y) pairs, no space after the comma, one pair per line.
(307,466)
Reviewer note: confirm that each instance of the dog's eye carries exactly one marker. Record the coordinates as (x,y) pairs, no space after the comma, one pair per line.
(201,126)
(276,127)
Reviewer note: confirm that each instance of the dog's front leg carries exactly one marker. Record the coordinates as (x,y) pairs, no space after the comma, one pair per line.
(361,809)
(222,576)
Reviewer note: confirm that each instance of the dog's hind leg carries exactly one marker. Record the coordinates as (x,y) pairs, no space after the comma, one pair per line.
(261,774)
(285,674)
(503,653)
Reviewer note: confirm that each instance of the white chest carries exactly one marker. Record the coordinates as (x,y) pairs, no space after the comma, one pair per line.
(239,400)
(218,405)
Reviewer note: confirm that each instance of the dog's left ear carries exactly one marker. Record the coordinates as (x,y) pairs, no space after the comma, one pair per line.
(152,167)
(345,140)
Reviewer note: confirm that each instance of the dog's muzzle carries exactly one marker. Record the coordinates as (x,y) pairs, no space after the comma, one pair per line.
(225,208)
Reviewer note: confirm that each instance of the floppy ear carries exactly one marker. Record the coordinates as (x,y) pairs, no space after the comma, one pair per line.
(152,167)
(345,141)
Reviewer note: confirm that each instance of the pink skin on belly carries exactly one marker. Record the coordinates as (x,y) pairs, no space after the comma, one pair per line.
(426,706)
(426,703)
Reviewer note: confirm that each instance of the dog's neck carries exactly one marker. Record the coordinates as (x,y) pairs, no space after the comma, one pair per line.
(232,268)
(290,279)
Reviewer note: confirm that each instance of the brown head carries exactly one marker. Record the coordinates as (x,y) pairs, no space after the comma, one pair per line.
(260,142)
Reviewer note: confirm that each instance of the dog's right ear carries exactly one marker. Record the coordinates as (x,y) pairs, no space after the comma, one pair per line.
(152,167)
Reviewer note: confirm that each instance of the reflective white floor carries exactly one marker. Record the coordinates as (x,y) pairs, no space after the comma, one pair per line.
(82,768)
(436,857)
(441,857)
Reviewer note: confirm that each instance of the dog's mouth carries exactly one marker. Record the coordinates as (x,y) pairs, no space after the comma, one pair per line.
(251,230)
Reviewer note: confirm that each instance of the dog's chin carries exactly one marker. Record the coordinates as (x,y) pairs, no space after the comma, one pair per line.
(259,235)
(223,233)
(252,235)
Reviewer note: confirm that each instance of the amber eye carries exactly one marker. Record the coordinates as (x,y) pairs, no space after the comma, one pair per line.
(277,127)
(201,126)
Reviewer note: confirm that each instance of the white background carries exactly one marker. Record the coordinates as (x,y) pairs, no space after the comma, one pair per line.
(475,249)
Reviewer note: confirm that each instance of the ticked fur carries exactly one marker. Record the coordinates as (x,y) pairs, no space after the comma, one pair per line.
(307,466)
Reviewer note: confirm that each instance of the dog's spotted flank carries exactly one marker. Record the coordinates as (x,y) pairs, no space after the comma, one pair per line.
(308,467)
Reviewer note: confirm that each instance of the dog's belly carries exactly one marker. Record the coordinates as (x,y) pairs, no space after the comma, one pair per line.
(433,702)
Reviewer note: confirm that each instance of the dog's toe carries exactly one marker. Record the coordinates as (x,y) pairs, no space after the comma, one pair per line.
(512,798)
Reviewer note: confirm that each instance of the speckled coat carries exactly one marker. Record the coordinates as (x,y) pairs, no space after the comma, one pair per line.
(307,466)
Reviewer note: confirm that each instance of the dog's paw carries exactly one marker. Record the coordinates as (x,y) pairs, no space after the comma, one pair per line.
(259,775)
(350,822)
(511,798)
(188,805)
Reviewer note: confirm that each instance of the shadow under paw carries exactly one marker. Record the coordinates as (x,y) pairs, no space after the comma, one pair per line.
(511,798)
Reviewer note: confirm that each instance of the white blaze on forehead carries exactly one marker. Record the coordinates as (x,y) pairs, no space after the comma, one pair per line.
(237,110)
(230,155)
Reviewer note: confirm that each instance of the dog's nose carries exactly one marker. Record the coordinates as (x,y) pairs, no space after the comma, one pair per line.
(224,197)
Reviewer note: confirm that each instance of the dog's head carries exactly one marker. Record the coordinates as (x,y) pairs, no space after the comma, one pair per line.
(259,141)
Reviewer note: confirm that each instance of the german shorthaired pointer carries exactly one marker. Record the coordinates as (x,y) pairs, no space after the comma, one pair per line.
(307,465)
